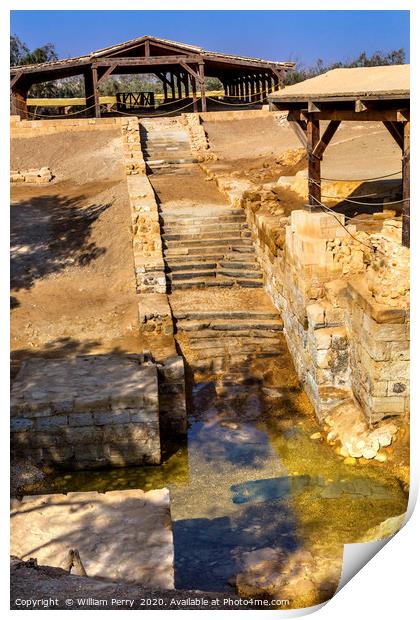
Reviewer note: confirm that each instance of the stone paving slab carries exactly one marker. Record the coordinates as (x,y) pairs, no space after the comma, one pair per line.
(120,535)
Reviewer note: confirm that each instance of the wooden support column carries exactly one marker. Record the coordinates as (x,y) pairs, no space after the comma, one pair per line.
(97,107)
(18,97)
(194,93)
(261,87)
(179,86)
(172,82)
(252,88)
(314,164)
(202,87)
(241,88)
(165,89)
(186,86)
(406,186)
(89,93)
(247,89)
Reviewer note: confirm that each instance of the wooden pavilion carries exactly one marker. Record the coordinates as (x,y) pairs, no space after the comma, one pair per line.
(357,94)
(182,69)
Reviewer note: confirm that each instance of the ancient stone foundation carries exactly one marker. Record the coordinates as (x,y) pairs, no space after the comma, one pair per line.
(344,298)
(91,411)
(36,176)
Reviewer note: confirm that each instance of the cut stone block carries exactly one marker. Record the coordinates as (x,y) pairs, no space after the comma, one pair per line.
(57,405)
(120,535)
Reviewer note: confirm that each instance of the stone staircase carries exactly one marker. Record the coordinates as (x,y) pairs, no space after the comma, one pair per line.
(227,330)
(209,247)
(225,322)
(165,144)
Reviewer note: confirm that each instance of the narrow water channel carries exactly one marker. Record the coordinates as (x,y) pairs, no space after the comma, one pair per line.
(249,476)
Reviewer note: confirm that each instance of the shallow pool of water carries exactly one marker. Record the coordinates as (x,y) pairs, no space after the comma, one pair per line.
(239,485)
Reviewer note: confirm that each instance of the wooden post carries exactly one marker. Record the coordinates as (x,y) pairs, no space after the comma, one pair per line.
(314,164)
(178,80)
(202,87)
(172,80)
(18,102)
(261,87)
(252,89)
(187,90)
(194,93)
(165,88)
(97,108)
(241,88)
(89,93)
(406,186)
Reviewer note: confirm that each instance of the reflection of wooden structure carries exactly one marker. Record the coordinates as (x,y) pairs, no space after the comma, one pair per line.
(128,101)
(182,69)
(360,94)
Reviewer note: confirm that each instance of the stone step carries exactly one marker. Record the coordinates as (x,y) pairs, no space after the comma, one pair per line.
(161,163)
(190,236)
(228,325)
(227,314)
(203,220)
(238,269)
(192,229)
(180,251)
(178,276)
(187,260)
(210,242)
(240,273)
(215,282)
(238,265)
(201,282)
(227,343)
(188,267)
(177,255)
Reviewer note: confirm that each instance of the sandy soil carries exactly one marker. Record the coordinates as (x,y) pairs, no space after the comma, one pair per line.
(253,149)
(72,278)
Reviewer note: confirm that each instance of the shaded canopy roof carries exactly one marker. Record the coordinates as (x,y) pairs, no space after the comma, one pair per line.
(380,82)
(214,61)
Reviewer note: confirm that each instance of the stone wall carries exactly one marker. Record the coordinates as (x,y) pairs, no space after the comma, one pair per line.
(86,412)
(32,129)
(198,138)
(344,298)
(37,176)
(147,244)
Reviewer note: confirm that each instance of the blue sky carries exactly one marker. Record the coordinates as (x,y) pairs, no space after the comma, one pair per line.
(273,35)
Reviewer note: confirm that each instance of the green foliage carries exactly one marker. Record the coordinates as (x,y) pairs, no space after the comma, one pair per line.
(395,57)
(18,50)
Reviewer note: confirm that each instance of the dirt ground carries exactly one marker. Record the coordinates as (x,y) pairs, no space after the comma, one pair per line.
(253,147)
(72,278)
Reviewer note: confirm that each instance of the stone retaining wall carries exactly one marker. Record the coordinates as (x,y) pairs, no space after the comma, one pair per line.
(344,298)
(32,129)
(87,412)
(37,176)
(147,243)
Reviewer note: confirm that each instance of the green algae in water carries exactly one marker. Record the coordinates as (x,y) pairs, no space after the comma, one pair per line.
(172,471)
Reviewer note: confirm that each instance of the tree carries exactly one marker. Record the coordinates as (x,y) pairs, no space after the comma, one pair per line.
(18,50)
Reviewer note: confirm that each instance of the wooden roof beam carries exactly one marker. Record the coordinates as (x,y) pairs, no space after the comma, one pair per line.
(145,61)
(397,132)
(325,139)
(299,127)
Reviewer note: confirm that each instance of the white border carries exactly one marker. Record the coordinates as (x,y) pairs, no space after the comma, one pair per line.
(387,586)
